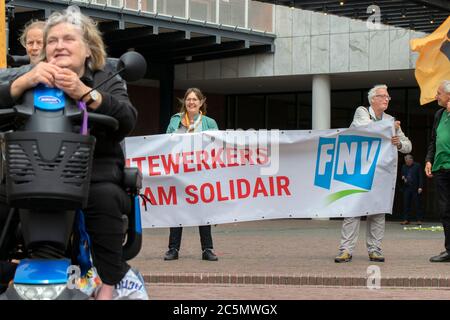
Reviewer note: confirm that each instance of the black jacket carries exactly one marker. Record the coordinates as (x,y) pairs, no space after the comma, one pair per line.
(432,145)
(413,175)
(8,74)
(109,159)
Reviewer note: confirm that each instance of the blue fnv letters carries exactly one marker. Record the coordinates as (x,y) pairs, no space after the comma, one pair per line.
(351,160)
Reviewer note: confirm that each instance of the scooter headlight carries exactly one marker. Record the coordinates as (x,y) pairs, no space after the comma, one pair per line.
(37,292)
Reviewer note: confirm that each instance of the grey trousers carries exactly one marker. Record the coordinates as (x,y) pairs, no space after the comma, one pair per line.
(374,233)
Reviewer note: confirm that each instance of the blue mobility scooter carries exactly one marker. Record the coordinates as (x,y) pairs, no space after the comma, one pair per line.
(47,169)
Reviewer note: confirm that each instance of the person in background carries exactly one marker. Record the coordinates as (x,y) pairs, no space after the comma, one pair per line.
(32,39)
(437,163)
(412,177)
(379,99)
(191,118)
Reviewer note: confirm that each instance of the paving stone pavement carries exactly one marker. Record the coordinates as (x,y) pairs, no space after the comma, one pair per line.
(294,253)
(258,292)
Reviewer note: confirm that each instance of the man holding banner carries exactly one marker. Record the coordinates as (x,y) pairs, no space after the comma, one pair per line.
(437,163)
(379,100)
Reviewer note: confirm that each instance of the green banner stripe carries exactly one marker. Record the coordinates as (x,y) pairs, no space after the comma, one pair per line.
(340,194)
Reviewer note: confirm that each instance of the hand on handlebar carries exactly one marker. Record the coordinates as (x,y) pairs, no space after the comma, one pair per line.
(69,82)
(43,72)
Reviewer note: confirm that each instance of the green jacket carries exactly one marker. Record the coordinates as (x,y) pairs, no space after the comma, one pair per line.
(207,123)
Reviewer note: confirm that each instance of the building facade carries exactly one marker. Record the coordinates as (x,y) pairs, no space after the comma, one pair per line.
(261,66)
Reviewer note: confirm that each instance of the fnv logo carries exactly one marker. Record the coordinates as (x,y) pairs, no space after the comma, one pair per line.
(349,159)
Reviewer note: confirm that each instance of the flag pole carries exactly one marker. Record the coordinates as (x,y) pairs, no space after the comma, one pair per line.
(3,40)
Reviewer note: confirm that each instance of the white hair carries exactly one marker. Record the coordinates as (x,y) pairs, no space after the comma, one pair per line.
(71,15)
(89,31)
(373,91)
(446,85)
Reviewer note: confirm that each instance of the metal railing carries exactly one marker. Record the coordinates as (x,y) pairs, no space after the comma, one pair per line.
(246,14)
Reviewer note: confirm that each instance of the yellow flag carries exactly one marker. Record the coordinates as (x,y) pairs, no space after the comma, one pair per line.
(433,64)
(2,35)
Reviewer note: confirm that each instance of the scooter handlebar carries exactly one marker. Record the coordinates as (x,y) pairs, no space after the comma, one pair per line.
(98,118)
(7,112)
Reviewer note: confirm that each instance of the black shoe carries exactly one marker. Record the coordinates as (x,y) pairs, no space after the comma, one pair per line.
(172,254)
(209,255)
(443,257)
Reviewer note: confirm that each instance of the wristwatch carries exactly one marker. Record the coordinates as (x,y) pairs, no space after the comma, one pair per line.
(93,96)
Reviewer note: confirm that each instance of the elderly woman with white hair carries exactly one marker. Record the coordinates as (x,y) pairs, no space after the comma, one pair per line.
(379,99)
(73,60)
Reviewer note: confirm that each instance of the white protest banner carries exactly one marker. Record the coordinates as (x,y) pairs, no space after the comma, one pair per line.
(217,177)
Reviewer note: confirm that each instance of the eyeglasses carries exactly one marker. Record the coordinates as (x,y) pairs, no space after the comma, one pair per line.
(383,96)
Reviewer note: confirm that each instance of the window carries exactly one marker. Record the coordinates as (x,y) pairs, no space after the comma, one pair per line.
(343,106)
(116,3)
(147,5)
(232,12)
(260,16)
(304,111)
(250,112)
(110,3)
(397,105)
(282,112)
(132,4)
(204,10)
(172,7)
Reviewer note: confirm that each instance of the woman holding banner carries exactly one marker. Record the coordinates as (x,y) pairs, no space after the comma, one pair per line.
(191,118)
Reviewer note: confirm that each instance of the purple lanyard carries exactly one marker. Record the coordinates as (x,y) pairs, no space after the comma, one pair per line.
(82,107)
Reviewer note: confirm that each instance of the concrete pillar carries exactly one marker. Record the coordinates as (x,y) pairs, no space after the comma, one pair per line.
(321,106)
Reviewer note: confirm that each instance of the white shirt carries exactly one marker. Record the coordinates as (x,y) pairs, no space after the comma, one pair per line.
(362,117)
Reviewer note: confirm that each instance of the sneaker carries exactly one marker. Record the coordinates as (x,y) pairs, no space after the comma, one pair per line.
(172,254)
(343,256)
(376,256)
(404,222)
(209,255)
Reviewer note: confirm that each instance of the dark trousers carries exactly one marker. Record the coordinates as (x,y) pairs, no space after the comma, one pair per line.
(205,237)
(10,240)
(103,215)
(412,198)
(443,191)
(7,269)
